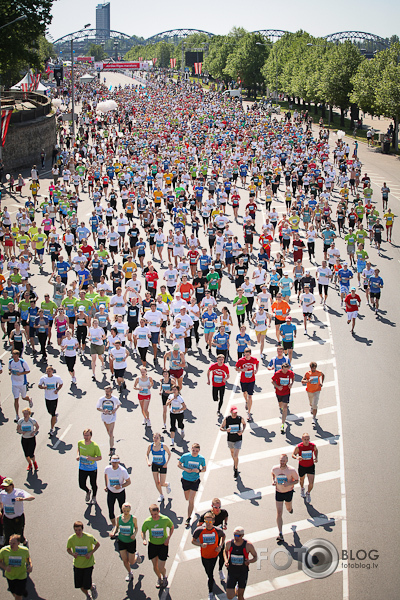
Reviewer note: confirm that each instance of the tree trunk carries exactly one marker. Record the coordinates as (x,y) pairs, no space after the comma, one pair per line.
(342,117)
(315,108)
(331,115)
(396,133)
(323,110)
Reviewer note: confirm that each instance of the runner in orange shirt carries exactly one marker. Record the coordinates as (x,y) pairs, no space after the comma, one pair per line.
(313,380)
(280,309)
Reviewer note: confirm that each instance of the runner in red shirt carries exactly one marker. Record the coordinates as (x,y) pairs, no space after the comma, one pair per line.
(282,381)
(307,454)
(87,250)
(352,303)
(151,281)
(219,372)
(247,366)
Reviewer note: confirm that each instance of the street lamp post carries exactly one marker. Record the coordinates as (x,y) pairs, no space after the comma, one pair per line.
(21,18)
(73,84)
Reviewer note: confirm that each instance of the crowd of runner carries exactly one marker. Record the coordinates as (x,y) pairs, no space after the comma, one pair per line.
(135,287)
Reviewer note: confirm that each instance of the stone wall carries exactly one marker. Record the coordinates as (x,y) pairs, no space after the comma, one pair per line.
(24,143)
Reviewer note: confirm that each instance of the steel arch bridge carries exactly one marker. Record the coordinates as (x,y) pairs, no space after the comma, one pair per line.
(84,34)
(271,34)
(357,37)
(174,35)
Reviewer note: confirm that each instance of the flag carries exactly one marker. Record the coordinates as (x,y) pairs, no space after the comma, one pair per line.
(197,68)
(172,62)
(154,60)
(5,121)
(37,79)
(140,58)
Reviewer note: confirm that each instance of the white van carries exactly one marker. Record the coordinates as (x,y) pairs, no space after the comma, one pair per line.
(232,93)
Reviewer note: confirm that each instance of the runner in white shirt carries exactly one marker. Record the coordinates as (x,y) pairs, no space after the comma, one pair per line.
(154,319)
(117,358)
(108,406)
(324,274)
(69,347)
(96,336)
(51,384)
(19,369)
(307,302)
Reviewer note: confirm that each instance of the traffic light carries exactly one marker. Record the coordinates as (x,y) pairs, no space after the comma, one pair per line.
(58,74)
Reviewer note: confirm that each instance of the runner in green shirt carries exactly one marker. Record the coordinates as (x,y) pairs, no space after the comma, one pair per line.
(157,526)
(16,563)
(240,303)
(82,546)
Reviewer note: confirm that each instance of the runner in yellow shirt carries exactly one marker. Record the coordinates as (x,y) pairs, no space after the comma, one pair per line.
(40,239)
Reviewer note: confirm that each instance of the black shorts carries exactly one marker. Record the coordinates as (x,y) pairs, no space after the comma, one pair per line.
(237,579)
(188,342)
(247,386)
(158,469)
(304,470)
(70,362)
(278,321)
(326,247)
(132,325)
(28,446)
(285,398)
(287,345)
(190,485)
(285,243)
(376,295)
(119,373)
(51,406)
(323,286)
(83,577)
(284,496)
(158,550)
(17,586)
(128,546)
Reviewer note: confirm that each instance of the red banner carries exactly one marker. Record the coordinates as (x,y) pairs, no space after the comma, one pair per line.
(5,121)
(197,68)
(88,59)
(172,62)
(121,65)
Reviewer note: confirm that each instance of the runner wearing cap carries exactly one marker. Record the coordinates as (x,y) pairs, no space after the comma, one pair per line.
(237,560)
(352,304)
(211,540)
(234,426)
(11,504)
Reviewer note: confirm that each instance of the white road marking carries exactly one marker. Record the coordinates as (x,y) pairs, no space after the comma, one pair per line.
(292,418)
(60,439)
(227,462)
(299,367)
(294,390)
(341,457)
(199,494)
(261,492)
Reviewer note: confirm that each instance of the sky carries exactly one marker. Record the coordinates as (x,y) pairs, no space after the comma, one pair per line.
(220,16)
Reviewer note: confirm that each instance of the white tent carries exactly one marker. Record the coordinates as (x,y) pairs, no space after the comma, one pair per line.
(29,78)
(86,78)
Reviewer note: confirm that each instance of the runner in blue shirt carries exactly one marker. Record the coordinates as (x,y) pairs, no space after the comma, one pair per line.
(192,464)
(243,340)
(288,332)
(276,363)
(328,235)
(221,341)
(375,285)
(344,276)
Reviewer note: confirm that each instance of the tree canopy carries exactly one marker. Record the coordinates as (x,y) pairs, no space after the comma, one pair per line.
(20,42)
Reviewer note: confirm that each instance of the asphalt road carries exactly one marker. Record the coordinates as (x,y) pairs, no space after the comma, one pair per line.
(357,432)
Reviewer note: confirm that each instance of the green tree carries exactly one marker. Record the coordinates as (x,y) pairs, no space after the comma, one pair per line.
(19,43)
(220,48)
(247,59)
(337,78)
(97,51)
